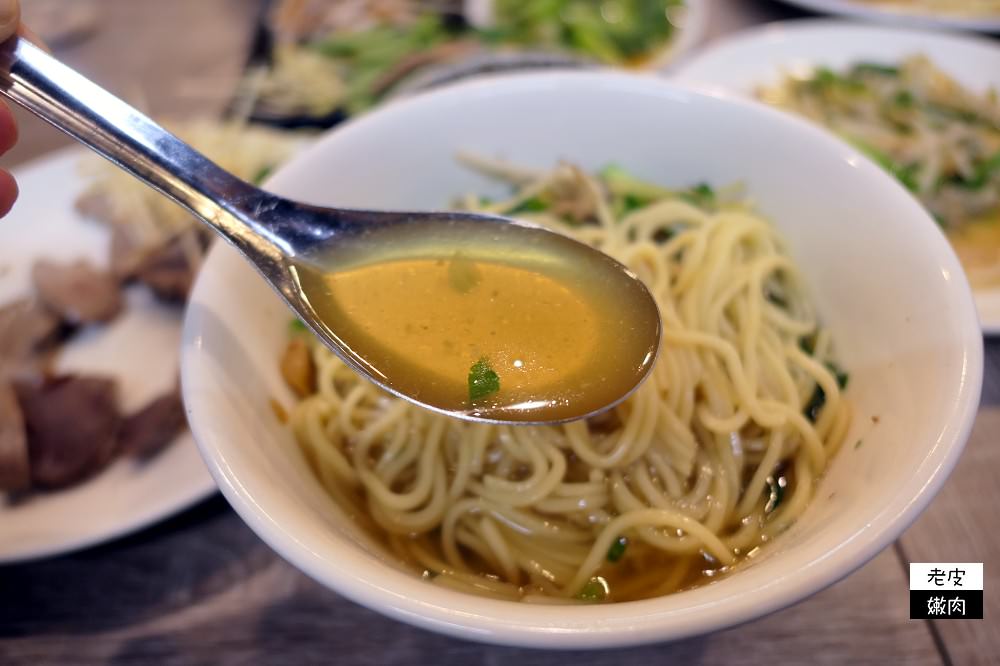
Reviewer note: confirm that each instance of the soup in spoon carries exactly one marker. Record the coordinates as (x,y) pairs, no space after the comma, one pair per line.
(485,320)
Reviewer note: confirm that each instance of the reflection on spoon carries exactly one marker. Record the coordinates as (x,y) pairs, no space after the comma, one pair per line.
(536,327)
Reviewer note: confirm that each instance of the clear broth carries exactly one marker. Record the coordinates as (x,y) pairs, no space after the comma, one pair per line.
(428,308)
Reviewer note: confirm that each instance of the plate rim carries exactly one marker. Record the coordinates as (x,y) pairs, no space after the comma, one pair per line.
(898,17)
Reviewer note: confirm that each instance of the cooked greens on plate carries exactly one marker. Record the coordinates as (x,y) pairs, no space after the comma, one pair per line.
(346,56)
(939,139)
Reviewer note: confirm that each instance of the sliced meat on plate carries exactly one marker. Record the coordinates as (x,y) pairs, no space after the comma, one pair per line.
(26,330)
(154,426)
(72,424)
(77,292)
(15,473)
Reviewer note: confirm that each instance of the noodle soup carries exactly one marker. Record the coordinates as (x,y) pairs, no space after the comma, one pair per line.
(715,454)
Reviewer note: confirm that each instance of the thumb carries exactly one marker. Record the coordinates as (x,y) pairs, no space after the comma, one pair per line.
(10,17)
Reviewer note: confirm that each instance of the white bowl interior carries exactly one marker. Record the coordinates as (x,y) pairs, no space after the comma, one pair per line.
(882,275)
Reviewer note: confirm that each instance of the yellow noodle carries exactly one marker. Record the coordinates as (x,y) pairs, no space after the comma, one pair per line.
(682,470)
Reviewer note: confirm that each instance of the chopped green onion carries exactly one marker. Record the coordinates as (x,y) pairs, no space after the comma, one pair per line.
(296,326)
(613,171)
(818,398)
(621,183)
(807,343)
(842,377)
(907,175)
(701,195)
(595,590)
(952,113)
(632,202)
(530,205)
(629,203)
(367,55)
(617,549)
(984,170)
(614,31)
(584,30)
(825,78)
(704,192)
(494,35)
(483,381)
(262,174)
(904,173)
(815,404)
(904,99)
(875,68)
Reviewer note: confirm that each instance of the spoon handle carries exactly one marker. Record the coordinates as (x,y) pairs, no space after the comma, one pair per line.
(72,103)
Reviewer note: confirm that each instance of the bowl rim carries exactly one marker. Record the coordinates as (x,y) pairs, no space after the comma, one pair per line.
(362,579)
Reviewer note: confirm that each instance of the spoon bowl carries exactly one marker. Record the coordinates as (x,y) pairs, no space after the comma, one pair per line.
(305,251)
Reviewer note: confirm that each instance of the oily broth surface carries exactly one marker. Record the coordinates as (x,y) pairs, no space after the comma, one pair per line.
(422,305)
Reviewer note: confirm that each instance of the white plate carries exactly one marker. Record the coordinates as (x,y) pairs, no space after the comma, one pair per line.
(763,55)
(140,349)
(898,13)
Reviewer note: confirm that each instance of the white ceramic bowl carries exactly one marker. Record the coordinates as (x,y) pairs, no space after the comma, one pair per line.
(884,279)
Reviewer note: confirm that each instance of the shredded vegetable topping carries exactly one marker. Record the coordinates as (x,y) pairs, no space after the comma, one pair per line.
(939,139)
(346,56)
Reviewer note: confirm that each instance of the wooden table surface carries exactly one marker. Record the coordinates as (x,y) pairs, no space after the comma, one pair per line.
(202,588)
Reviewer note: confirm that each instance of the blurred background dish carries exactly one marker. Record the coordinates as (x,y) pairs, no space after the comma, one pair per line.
(96,269)
(956,102)
(138,349)
(978,15)
(315,63)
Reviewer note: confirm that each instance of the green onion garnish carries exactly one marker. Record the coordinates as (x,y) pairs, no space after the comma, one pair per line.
(617,549)
(483,381)
(595,590)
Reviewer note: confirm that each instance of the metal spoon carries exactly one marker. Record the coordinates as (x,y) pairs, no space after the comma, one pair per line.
(271,232)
